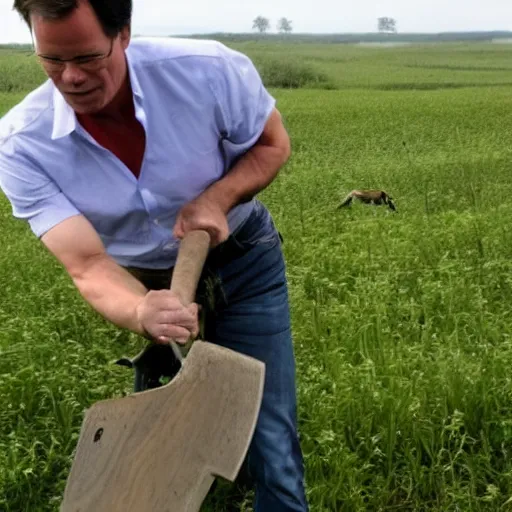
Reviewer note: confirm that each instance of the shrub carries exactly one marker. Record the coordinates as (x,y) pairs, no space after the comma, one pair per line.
(291,74)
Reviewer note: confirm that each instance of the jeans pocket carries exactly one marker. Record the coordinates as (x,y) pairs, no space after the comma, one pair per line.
(258,229)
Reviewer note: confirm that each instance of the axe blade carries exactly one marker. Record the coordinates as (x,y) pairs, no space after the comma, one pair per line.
(161,449)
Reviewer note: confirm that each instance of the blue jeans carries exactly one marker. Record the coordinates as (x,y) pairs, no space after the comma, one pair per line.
(246,309)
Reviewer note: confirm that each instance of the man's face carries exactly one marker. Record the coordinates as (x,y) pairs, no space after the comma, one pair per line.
(98,69)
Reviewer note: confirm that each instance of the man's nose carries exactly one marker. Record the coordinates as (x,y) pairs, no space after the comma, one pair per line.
(73,75)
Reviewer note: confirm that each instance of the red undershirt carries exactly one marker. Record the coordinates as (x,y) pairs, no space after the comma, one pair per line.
(125,136)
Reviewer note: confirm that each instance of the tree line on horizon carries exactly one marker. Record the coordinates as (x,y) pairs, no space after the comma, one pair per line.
(284,25)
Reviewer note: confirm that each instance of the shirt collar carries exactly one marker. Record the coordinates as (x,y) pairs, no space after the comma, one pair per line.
(64,118)
(134,79)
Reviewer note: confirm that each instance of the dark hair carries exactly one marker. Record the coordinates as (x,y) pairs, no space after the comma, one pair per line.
(113,15)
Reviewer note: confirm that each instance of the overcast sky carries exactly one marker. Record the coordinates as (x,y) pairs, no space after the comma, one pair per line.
(168,17)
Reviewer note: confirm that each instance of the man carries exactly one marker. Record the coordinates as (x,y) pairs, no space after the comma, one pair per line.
(122,151)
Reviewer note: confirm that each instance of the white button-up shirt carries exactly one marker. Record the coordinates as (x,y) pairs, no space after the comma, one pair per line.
(202,106)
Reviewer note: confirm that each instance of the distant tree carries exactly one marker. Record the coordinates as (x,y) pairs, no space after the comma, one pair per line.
(284,25)
(261,24)
(387,24)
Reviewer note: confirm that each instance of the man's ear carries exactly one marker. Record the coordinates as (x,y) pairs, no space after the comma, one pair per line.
(125,36)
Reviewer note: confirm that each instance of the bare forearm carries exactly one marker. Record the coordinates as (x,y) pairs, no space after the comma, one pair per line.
(112,291)
(250,175)
(256,169)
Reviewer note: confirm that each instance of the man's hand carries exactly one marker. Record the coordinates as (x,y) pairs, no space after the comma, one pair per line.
(203,213)
(163,317)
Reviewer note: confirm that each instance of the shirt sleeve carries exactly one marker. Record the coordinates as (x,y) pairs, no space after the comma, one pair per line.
(243,103)
(34,197)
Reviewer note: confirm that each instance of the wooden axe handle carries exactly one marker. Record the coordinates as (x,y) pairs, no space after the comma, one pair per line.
(187,271)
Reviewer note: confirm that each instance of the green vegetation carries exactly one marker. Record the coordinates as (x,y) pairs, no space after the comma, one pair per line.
(402,322)
(19,71)
(291,73)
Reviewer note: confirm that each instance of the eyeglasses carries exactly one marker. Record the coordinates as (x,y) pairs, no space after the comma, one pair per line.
(91,62)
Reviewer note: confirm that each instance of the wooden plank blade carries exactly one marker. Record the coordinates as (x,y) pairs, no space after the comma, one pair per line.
(161,449)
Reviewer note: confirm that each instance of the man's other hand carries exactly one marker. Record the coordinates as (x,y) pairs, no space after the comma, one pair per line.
(164,318)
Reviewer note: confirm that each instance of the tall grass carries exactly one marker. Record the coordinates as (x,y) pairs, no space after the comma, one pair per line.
(19,71)
(401,321)
(423,67)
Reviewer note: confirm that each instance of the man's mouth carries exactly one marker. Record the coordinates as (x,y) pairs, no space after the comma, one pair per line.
(81,93)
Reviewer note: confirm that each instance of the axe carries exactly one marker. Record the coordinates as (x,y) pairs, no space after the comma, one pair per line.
(161,449)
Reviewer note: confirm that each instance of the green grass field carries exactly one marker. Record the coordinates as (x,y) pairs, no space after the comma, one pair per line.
(402,322)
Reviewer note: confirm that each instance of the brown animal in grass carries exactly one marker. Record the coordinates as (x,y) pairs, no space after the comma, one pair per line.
(376,197)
